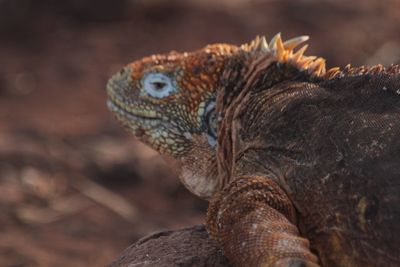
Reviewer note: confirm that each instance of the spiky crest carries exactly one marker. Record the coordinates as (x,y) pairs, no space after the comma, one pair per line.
(283,51)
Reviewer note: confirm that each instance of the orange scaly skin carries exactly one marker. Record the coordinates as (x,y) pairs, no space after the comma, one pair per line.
(300,163)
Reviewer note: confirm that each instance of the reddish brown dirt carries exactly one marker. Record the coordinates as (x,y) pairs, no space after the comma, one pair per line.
(59,144)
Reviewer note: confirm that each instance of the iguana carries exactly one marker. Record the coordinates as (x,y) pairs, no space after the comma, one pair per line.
(301,164)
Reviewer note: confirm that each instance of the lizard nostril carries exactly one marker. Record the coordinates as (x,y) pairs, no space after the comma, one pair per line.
(122,71)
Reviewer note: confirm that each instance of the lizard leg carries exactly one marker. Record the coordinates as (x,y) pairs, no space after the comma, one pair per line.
(253,220)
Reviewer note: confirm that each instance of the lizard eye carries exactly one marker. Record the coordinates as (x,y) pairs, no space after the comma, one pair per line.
(158,85)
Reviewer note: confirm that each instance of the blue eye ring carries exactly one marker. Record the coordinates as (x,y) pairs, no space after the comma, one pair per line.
(158,85)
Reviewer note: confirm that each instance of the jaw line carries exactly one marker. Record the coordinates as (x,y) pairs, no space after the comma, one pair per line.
(133,121)
(116,108)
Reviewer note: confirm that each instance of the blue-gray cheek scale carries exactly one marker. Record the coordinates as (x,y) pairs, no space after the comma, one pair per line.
(210,123)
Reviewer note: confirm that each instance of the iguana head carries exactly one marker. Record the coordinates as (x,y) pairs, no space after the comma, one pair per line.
(168,101)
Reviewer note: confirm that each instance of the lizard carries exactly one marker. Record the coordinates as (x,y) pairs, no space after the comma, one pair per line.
(300,163)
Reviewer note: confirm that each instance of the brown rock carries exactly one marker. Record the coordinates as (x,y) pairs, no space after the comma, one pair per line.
(186,247)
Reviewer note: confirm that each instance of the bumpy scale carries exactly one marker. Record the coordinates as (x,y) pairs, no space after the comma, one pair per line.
(301,164)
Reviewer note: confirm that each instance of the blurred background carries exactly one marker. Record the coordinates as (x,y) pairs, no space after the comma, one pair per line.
(75,188)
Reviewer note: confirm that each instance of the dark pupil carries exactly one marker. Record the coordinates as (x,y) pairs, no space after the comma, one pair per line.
(158,85)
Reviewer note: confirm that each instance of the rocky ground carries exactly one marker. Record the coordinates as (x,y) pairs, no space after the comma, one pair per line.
(75,188)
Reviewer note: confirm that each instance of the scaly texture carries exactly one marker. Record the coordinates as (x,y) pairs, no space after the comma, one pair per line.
(266,233)
(301,164)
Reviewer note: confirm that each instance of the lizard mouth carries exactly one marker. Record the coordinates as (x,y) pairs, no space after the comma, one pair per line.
(132,115)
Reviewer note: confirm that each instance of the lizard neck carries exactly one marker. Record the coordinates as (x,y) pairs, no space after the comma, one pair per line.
(248,75)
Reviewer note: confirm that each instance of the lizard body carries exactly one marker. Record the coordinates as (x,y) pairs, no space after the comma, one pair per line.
(301,164)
